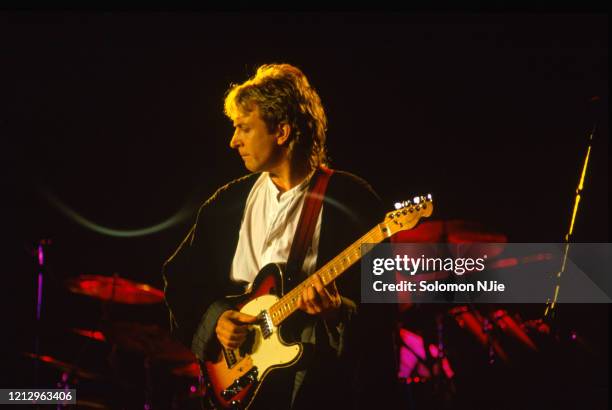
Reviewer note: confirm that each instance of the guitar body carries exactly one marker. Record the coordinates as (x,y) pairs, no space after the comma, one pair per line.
(237,374)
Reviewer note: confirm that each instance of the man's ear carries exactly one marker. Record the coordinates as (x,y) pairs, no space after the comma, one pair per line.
(284,130)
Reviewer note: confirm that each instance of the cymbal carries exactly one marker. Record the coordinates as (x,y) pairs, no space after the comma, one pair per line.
(455,232)
(148,339)
(64,366)
(114,288)
(92,334)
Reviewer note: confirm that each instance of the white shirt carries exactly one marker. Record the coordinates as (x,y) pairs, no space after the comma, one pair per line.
(268,225)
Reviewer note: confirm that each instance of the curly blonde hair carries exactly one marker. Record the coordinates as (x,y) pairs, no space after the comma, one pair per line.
(283,95)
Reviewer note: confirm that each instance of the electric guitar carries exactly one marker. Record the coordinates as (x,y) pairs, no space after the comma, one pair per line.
(232,381)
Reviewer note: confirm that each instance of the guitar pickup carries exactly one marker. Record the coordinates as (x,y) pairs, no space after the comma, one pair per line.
(240,383)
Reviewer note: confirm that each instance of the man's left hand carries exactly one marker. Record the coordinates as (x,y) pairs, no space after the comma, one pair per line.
(318,299)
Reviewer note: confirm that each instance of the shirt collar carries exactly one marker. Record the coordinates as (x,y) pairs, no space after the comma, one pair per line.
(295,191)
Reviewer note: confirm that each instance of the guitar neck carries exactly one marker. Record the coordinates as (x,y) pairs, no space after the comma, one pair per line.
(282,309)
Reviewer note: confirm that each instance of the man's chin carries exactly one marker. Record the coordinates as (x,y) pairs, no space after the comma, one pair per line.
(250,167)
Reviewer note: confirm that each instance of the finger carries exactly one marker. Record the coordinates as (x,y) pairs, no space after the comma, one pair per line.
(238,330)
(231,339)
(334,295)
(226,342)
(226,334)
(317,284)
(306,306)
(307,300)
(324,298)
(235,316)
(242,317)
(230,335)
(231,327)
(230,345)
(311,295)
(316,281)
(332,288)
(238,338)
(313,298)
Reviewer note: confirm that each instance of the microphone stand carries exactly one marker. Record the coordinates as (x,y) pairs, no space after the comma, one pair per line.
(549,311)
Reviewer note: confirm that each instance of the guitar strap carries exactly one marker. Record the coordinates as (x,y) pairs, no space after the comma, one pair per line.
(306,225)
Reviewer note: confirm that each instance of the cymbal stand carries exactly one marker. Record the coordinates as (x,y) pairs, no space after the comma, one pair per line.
(112,358)
(63,384)
(487,328)
(440,335)
(106,314)
(444,385)
(439,373)
(148,387)
(40,260)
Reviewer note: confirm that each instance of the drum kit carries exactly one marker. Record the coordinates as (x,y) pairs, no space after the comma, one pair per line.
(132,351)
(441,342)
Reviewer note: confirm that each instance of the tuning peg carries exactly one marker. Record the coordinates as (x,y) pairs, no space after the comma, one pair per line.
(399,205)
(416,200)
(429,197)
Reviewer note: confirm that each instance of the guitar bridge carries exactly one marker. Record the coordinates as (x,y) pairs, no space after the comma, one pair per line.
(265,322)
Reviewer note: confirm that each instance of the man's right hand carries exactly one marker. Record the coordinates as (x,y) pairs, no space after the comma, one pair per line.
(232,328)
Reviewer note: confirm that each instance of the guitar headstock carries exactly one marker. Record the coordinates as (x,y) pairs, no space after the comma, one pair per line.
(407,214)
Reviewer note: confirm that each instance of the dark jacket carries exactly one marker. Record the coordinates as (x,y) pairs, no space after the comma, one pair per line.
(196,278)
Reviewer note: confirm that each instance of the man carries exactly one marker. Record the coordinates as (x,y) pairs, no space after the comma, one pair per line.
(280,131)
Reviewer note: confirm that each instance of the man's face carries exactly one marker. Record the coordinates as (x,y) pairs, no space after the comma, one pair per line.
(258,147)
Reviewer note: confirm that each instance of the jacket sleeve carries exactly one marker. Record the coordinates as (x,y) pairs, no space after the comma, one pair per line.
(192,292)
(196,276)
(353,208)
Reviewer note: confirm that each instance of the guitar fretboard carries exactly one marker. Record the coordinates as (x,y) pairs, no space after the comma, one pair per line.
(282,309)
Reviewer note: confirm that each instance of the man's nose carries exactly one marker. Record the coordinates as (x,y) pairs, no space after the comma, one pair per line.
(235,141)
